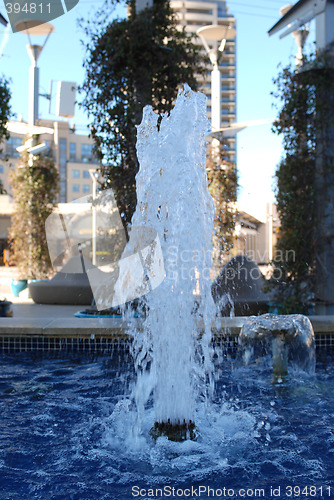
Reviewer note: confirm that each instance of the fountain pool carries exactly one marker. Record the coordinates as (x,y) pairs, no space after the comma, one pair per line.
(67,433)
(80,428)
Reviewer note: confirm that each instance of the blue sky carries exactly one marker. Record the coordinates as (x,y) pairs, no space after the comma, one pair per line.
(258,57)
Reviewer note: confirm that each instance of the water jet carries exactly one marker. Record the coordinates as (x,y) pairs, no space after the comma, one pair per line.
(173,199)
(285,338)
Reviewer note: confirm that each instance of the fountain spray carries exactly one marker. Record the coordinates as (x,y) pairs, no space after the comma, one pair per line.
(174,200)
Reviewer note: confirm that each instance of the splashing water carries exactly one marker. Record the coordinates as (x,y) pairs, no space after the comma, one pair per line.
(174,200)
(286,338)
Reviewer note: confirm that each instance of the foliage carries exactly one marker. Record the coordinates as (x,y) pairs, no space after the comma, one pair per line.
(35,189)
(131,63)
(5,112)
(223,183)
(303,121)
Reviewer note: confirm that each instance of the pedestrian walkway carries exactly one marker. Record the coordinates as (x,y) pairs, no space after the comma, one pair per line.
(24,307)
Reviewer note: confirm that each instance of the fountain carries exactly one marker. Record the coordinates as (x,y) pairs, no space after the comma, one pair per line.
(174,200)
(284,337)
(178,416)
(173,357)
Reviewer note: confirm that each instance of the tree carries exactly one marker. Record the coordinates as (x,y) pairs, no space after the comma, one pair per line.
(35,189)
(5,112)
(304,120)
(223,184)
(130,63)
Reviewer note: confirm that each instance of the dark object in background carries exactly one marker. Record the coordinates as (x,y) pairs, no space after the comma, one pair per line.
(136,308)
(6,310)
(239,289)
(66,287)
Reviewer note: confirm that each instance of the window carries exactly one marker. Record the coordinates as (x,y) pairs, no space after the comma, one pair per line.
(87,153)
(1,169)
(62,154)
(63,145)
(75,174)
(73,154)
(75,188)
(12,144)
(62,170)
(85,174)
(86,188)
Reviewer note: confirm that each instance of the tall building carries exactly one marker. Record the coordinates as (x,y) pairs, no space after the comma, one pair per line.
(72,153)
(192,15)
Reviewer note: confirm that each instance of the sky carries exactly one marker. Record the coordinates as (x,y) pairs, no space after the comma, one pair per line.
(258,60)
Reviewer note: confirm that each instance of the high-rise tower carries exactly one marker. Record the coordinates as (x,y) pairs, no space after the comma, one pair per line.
(193,14)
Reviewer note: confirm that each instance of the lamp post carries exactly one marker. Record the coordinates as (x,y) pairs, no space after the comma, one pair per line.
(216,36)
(34,51)
(32,145)
(94,175)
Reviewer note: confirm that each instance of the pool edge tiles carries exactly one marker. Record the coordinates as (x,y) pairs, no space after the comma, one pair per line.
(105,335)
(63,335)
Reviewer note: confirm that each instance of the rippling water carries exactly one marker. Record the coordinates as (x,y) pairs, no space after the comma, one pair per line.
(69,430)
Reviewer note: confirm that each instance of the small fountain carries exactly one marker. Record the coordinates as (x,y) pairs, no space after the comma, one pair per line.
(284,337)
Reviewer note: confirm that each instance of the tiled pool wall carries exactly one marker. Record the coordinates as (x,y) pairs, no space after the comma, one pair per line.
(109,345)
(29,343)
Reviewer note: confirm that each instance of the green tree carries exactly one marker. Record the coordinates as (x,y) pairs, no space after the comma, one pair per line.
(130,63)
(303,121)
(5,113)
(223,184)
(35,189)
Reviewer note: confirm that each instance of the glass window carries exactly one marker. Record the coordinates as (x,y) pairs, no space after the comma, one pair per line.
(85,174)
(62,155)
(75,174)
(86,153)
(86,188)
(75,188)
(73,154)
(12,144)
(1,169)
(63,145)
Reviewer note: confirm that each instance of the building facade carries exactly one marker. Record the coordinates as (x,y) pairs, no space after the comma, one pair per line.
(73,156)
(257,238)
(193,15)
(72,153)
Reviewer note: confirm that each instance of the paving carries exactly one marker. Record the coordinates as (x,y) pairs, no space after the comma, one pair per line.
(43,319)
(58,320)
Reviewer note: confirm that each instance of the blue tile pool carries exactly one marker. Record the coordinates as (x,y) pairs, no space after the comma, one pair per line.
(69,430)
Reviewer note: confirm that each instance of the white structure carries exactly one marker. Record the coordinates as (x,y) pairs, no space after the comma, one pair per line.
(65,100)
(193,15)
(302,13)
(213,37)
(300,36)
(34,51)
